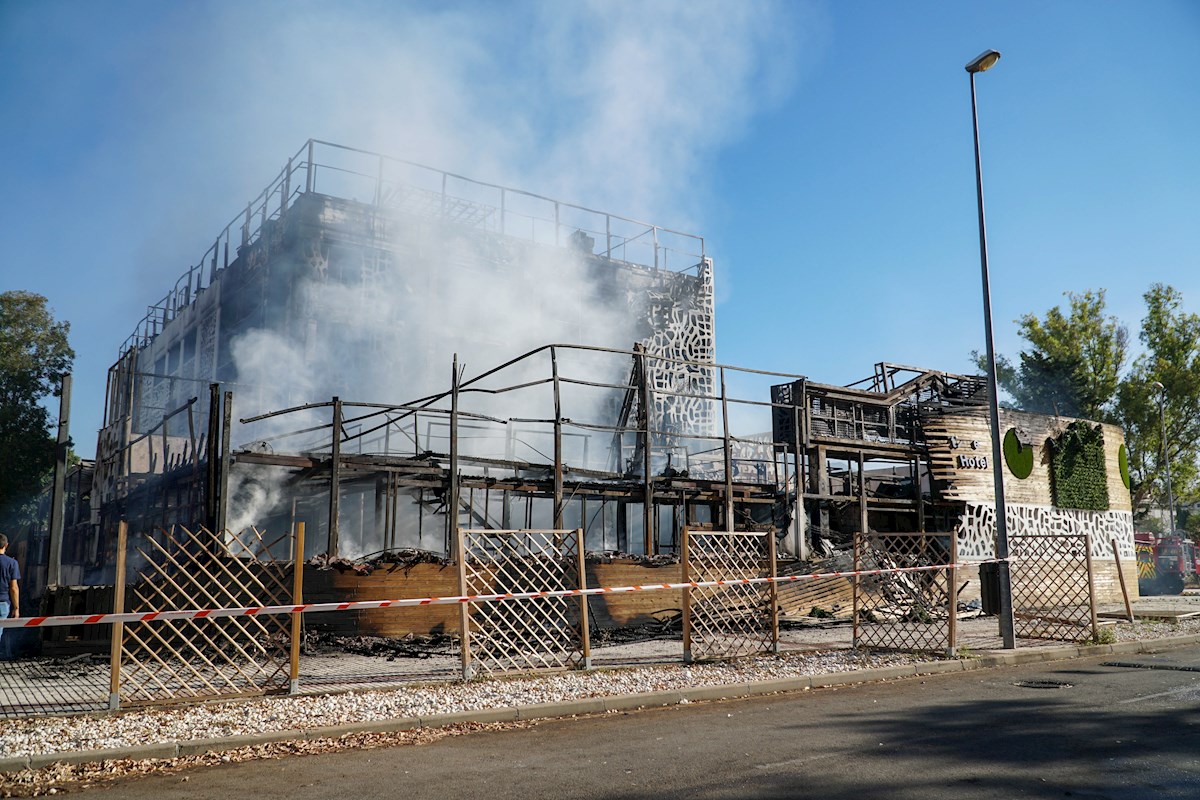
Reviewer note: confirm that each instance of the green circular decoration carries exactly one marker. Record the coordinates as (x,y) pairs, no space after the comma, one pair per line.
(1123,461)
(1018,457)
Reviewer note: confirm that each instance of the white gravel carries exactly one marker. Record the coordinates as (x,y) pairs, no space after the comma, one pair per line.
(180,723)
(139,727)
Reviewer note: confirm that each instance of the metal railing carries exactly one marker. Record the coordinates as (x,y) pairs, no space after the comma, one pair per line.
(399,185)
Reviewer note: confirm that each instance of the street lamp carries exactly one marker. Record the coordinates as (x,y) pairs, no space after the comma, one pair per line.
(985,61)
(1162,419)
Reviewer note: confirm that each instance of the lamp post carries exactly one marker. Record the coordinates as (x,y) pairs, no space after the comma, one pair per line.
(981,63)
(1162,419)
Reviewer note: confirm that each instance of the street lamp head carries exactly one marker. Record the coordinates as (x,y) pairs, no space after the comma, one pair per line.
(1159,386)
(984,61)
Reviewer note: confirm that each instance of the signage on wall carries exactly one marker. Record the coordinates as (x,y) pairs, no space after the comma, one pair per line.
(968,461)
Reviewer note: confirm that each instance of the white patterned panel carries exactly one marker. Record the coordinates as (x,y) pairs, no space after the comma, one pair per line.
(680,313)
(207,356)
(977,528)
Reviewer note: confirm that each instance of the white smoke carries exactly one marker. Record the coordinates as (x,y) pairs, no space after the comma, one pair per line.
(613,105)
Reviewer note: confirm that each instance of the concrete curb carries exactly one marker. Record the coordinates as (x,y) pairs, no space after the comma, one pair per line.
(600,705)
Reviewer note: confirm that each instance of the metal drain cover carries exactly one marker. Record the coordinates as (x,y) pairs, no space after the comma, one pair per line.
(1044,684)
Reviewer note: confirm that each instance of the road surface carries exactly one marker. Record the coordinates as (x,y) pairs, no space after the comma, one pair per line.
(1081,729)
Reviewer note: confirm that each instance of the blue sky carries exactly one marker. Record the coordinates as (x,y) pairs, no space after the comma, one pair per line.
(822,148)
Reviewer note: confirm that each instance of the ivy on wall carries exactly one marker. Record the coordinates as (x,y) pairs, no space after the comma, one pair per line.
(1078,478)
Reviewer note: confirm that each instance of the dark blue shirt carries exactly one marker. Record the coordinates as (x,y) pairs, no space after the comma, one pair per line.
(9,571)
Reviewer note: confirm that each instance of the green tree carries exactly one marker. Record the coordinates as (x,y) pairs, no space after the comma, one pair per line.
(34,352)
(1171,338)
(1072,364)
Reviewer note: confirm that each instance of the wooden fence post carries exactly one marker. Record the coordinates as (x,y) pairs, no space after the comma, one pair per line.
(584,626)
(1121,576)
(297,599)
(687,598)
(1087,543)
(952,599)
(118,628)
(464,611)
(774,593)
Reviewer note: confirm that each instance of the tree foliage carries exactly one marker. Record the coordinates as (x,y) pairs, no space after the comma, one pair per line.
(34,352)
(1171,338)
(1072,365)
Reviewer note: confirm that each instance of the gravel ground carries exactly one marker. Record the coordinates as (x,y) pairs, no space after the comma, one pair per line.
(177,723)
(56,734)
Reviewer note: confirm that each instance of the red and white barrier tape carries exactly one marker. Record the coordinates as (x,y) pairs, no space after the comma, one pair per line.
(250,611)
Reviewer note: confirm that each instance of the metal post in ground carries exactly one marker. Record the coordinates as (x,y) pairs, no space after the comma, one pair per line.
(335,477)
(558,443)
(727,454)
(452,541)
(984,62)
(223,492)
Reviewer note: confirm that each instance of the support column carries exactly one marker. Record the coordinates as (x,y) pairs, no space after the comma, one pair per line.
(335,477)
(452,539)
(226,435)
(212,457)
(648,527)
(727,447)
(58,498)
(558,444)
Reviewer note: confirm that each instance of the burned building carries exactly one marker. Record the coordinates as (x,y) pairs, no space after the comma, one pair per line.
(388,353)
(909,450)
(359,275)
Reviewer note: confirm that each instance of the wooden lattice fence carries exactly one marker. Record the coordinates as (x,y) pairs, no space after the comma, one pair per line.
(912,611)
(1053,595)
(522,634)
(172,660)
(732,619)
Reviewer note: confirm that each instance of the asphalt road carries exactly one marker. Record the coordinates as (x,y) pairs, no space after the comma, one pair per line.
(1109,732)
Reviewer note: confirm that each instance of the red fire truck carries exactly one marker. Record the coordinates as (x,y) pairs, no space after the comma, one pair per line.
(1165,563)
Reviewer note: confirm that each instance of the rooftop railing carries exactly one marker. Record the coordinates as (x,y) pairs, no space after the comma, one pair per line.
(396,184)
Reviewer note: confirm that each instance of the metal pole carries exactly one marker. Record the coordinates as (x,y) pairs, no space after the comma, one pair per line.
(452,507)
(727,455)
(308,171)
(335,476)
(223,492)
(648,528)
(799,520)
(1007,632)
(58,498)
(558,443)
(212,457)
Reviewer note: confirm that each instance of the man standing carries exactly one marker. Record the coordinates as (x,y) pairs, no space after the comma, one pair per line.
(10,593)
